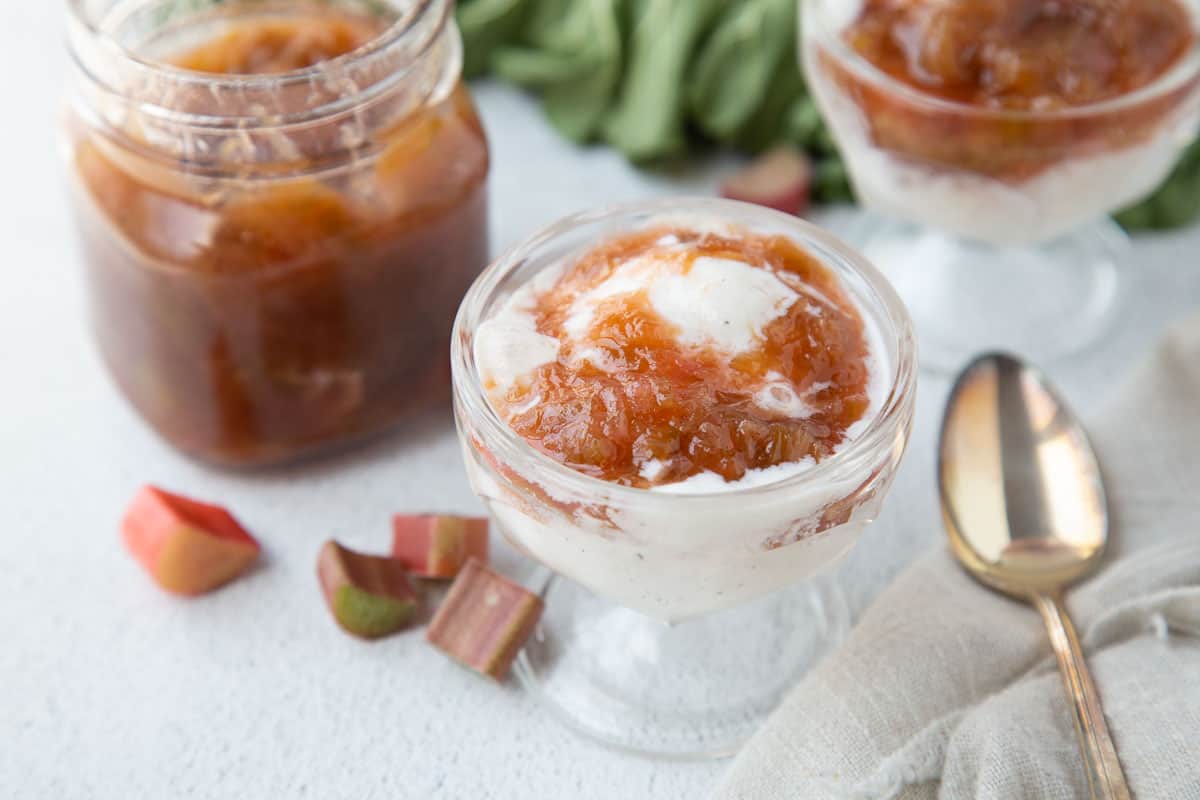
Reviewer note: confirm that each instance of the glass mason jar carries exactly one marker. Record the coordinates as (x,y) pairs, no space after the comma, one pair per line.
(683,617)
(274,258)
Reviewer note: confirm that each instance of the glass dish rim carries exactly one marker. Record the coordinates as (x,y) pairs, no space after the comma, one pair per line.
(1185,70)
(511,449)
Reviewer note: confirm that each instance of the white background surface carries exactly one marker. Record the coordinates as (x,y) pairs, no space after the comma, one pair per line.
(111,689)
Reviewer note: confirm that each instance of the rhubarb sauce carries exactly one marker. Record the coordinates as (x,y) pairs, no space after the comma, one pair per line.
(1023,54)
(660,372)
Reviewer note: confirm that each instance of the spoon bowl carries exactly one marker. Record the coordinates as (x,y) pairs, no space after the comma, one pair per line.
(1022,497)
(1023,502)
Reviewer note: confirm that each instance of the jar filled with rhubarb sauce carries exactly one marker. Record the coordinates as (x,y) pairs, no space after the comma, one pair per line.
(281,204)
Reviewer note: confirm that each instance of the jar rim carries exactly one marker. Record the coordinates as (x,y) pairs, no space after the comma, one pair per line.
(410,36)
(894,415)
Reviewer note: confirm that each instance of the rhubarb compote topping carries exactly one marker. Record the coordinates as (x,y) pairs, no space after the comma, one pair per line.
(1023,54)
(671,352)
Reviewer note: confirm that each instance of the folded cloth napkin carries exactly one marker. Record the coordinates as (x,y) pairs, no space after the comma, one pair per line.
(945,689)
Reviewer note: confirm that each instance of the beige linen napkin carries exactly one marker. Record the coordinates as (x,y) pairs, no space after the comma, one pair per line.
(947,690)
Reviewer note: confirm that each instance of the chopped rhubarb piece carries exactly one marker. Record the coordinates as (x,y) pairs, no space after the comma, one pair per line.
(188,547)
(370,596)
(485,620)
(779,179)
(436,545)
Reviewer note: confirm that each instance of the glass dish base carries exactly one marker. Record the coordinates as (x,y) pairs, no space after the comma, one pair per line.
(691,690)
(1044,302)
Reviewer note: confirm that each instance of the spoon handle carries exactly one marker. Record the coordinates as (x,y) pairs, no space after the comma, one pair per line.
(1105,777)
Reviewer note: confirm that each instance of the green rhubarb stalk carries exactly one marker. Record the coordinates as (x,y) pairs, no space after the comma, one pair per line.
(648,120)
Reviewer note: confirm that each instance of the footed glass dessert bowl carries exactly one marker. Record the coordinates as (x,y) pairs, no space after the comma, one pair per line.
(687,411)
(993,139)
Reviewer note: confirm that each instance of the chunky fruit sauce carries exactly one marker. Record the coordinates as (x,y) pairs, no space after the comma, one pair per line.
(268,46)
(638,401)
(1023,54)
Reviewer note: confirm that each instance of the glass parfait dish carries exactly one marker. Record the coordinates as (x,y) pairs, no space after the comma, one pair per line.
(993,221)
(675,622)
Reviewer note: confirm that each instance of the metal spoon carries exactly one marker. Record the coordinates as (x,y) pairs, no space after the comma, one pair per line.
(1023,502)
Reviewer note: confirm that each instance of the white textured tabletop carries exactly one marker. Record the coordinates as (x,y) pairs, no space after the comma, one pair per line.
(111,689)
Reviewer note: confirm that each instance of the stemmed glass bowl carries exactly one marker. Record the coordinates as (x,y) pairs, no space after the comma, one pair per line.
(675,622)
(993,223)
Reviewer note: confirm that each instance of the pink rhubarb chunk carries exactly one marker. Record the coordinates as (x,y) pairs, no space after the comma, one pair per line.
(369,596)
(485,620)
(438,545)
(188,547)
(778,179)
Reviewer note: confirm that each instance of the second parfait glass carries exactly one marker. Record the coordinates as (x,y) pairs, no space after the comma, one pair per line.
(675,622)
(993,222)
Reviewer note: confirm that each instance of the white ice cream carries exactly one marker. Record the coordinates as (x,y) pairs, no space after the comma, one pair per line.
(677,556)
(722,303)
(681,549)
